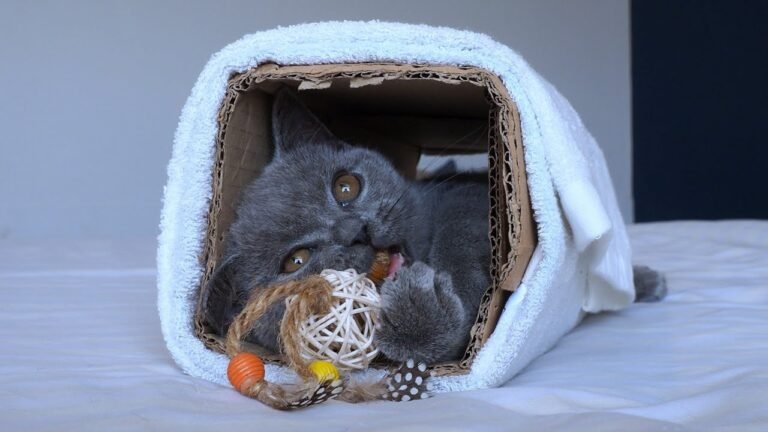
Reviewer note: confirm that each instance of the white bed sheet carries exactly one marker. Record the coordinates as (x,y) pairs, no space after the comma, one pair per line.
(82,350)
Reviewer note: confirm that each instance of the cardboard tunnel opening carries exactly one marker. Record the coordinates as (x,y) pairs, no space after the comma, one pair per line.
(404,112)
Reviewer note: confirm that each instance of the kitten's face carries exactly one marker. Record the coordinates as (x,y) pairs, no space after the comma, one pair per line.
(319,204)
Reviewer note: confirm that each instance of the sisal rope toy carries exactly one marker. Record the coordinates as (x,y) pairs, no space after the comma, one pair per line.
(328,325)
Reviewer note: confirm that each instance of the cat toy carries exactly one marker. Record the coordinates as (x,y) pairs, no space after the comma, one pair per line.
(328,326)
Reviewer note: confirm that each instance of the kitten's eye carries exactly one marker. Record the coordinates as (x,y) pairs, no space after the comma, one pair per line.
(296,260)
(346,187)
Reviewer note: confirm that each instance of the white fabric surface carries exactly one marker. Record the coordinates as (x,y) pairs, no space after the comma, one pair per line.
(82,351)
(583,253)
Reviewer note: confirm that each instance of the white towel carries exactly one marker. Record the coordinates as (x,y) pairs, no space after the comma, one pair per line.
(581,264)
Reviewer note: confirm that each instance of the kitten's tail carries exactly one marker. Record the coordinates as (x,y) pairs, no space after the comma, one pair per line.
(650,285)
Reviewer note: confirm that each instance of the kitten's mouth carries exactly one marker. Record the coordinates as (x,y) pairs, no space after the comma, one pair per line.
(386,263)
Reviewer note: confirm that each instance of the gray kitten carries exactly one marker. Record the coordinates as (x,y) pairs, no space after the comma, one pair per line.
(322,203)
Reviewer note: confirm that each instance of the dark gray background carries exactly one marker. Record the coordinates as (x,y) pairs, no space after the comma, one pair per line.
(700,119)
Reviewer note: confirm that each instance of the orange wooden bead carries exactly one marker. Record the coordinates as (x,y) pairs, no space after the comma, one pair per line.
(244,370)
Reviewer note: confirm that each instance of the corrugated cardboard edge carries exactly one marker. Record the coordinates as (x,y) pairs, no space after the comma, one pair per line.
(511,226)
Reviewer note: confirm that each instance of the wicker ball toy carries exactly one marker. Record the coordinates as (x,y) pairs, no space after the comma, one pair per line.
(343,336)
(329,325)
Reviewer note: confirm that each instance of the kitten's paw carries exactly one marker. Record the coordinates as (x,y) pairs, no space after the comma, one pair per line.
(422,318)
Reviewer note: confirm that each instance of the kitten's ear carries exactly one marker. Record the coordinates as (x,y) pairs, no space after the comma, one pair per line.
(221,302)
(294,125)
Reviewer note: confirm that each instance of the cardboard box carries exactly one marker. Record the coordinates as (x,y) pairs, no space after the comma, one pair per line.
(403,111)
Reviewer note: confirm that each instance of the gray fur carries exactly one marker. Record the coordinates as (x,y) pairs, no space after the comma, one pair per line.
(650,285)
(441,225)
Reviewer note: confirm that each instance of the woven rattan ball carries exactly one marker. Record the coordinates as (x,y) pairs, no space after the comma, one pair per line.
(345,335)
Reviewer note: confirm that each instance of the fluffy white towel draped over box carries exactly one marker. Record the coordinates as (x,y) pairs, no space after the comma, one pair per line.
(582,262)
